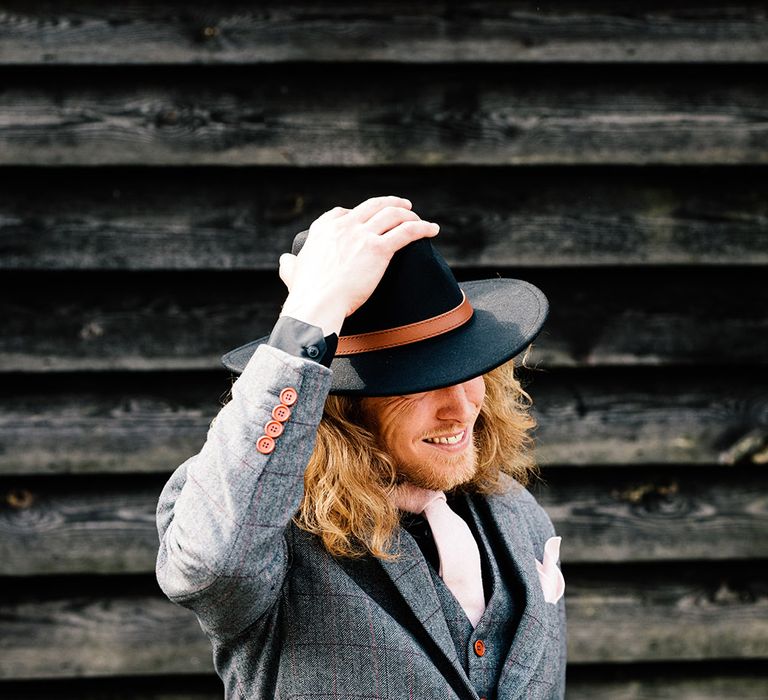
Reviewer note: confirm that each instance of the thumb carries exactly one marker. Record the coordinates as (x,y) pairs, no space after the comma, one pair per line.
(287,266)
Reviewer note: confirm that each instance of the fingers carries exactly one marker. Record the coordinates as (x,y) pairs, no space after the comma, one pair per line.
(365,210)
(334,213)
(329,215)
(287,266)
(389,217)
(407,232)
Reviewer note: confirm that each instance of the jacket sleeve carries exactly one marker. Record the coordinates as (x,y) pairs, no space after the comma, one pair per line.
(223,515)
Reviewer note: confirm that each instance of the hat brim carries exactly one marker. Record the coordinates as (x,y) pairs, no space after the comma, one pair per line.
(508,315)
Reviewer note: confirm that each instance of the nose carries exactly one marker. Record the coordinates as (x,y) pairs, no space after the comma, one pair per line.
(459,402)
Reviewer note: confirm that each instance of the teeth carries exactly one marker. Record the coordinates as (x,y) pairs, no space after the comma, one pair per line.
(447,440)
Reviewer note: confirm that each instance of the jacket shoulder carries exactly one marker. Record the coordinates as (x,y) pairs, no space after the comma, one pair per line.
(522,502)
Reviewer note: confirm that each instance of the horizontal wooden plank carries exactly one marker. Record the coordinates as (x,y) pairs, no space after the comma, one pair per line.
(186,321)
(128,424)
(628,614)
(697,681)
(427,32)
(108,527)
(205,686)
(636,614)
(383,115)
(219,219)
(97,636)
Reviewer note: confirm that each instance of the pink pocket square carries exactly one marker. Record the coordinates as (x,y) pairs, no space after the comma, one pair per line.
(552,581)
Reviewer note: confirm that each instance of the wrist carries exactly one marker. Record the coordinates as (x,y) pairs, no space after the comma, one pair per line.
(322,315)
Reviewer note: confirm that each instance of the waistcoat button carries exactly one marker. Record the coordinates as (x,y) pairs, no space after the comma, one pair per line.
(479,647)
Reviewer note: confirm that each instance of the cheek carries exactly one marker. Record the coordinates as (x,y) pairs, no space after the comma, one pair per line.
(476,391)
(396,426)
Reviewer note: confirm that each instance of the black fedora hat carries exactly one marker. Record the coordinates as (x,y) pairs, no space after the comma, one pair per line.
(422,330)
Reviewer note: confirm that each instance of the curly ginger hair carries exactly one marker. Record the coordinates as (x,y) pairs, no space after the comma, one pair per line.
(349,479)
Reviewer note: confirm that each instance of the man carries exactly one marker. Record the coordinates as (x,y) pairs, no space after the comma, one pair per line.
(356,524)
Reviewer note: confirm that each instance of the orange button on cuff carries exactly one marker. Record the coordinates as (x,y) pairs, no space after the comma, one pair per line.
(265,444)
(288,396)
(479,647)
(274,428)
(281,413)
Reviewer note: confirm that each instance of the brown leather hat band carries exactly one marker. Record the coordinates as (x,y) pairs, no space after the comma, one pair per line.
(410,333)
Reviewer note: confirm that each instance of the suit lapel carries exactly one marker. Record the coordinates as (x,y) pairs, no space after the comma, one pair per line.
(412,578)
(531,636)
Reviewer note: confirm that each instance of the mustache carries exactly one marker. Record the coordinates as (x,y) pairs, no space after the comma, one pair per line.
(444,432)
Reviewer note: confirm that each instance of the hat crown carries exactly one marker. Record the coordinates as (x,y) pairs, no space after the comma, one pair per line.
(417,285)
(420,330)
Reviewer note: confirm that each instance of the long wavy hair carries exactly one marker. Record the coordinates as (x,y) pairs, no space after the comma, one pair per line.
(349,480)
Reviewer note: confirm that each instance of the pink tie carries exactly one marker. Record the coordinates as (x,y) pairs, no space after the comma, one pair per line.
(459,556)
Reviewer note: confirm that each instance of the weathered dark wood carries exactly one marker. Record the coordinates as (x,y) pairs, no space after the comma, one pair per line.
(670,514)
(686,612)
(160,321)
(395,115)
(696,682)
(615,614)
(217,219)
(205,686)
(108,527)
(674,417)
(654,353)
(97,635)
(124,425)
(101,431)
(78,528)
(432,32)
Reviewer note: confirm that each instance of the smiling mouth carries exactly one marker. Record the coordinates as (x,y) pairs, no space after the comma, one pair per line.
(447,440)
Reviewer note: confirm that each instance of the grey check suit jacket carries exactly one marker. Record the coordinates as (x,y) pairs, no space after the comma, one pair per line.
(286,619)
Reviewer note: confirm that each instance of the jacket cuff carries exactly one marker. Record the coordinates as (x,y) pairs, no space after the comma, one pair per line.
(303,340)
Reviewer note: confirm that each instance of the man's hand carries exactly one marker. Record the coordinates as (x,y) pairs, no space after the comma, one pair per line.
(344,258)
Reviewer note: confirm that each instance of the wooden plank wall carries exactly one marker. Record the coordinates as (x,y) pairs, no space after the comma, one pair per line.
(157,158)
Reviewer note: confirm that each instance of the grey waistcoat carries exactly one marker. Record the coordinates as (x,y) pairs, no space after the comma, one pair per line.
(496,627)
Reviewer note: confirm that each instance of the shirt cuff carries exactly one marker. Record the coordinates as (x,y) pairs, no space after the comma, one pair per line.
(303,340)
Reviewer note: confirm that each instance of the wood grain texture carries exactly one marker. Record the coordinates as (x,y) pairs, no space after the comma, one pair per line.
(126,424)
(692,682)
(603,515)
(161,321)
(638,614)
(136,32)
(628,614)
(158,159)
(395,115)
(219,219)
(97,636)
